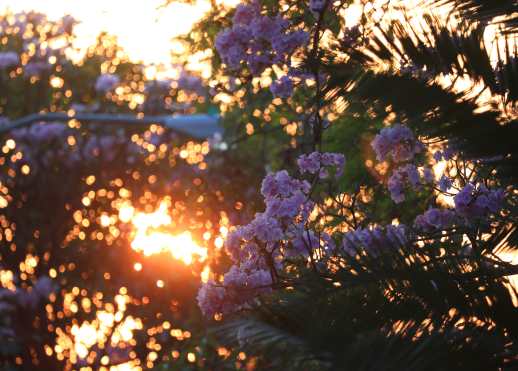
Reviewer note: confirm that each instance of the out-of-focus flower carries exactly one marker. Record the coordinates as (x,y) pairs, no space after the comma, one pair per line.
(351,37)
(282,88)
(8,59)
(106,82)
(36,68)
(191,83)
(445,183)
(317,6)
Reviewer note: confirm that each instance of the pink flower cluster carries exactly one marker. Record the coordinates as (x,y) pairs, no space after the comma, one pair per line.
(106,82)
(258,41)
(27,299)
(397,142)
(474,201)
(435,219)
(8,59)
(319,163)
(260,249)
(45,144)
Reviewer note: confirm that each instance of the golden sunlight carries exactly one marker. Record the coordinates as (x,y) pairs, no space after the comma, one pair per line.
(151,235)
(111,329)
(144,29)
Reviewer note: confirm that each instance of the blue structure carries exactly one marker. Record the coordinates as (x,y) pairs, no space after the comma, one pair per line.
(198,126)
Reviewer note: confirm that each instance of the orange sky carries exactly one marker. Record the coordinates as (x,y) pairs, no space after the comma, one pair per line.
(144,30)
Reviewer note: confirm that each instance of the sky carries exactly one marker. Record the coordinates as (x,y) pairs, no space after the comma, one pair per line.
(144,30)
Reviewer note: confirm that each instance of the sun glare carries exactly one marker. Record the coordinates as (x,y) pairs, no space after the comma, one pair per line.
(111,329)
(143,28)
(151,235)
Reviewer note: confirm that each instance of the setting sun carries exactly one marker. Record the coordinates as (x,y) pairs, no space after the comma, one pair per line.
(150,237)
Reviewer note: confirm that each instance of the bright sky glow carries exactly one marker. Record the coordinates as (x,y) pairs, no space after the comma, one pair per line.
(144,30)
(149,239)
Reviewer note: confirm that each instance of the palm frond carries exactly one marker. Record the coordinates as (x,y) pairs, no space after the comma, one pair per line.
(433,48)
(278,348)
(433,111)
(413,316)
(504,12)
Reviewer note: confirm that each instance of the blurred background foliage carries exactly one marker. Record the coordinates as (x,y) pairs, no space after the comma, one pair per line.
(63,202)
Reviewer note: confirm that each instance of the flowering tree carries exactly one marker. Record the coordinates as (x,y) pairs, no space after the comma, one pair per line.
(67,266)
(318,280)
(380,226)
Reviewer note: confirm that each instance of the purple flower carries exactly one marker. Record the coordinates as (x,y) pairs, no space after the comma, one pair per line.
(235,277)
(351,36)
(303,242)
(266,229)
(233,243)
(8,59)
(232,45)
(282,88)
(281,184)
(464,200)
(284,46)
(45,132)
(448,153)
(245,14)
(412,174)
(336,160)
(316,162)
(285,197)
(428,175)
(211,299)
(36,68)
(247,279)
(106,82)
(445,183)
(402,176)
(317,6)
(478,201)
(189,83)
(396,187)
(241,284)
(260,42)
(398,142)
(287,207)
(309,163)
(258,63)
(268,28)
(435,219)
